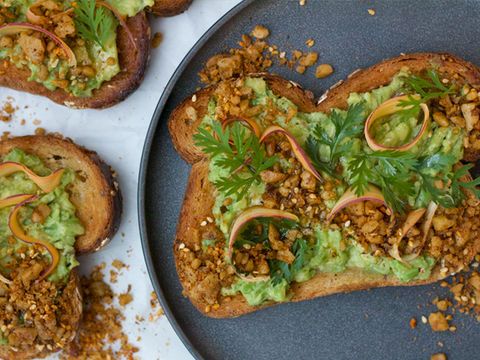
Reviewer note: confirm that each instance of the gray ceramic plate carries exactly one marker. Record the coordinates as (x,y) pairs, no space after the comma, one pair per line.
(362,325)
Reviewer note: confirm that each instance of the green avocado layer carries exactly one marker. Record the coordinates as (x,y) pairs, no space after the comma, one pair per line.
(325,253)
(60,228)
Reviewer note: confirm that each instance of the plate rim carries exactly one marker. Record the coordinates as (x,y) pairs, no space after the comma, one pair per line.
(152,128)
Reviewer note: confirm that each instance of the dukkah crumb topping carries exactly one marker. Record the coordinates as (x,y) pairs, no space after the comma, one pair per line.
(7,110)
(37,316)
(101,329)
(256,55)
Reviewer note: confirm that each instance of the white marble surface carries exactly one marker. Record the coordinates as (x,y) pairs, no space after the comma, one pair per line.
(117,134)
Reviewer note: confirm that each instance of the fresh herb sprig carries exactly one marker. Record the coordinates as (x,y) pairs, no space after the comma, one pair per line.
(428,88)
(243,156)
(389,170)
(347,125)
(93,23)
(395,173)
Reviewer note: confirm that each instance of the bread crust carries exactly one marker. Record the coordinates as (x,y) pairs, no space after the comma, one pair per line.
(199,198)
(132,64)
(95,193)
(73,293)
(169,7)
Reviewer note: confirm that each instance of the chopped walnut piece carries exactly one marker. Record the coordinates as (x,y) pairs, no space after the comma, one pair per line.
(260,32)
(33,47)
(443,305)
(323,71)
(438,322)
(272,177)
(308,59)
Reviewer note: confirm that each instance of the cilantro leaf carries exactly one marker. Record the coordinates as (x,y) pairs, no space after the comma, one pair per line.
(236,151)
(389,170)
(347,125)
(428,87)
(93,23)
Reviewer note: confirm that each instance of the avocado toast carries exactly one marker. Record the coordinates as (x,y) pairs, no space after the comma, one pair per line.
(57,200)
(82,54)
(289,199)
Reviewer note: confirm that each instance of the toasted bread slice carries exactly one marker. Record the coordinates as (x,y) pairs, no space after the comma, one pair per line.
(95,192)
(170,7)
(132,63)
(71,308)
(199,198)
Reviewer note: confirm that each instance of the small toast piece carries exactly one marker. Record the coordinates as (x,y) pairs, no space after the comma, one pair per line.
(170,7)
(132,64)
(71,309)
(199,198)
(94,193)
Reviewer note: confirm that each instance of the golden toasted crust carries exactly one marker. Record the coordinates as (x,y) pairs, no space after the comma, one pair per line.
(182,127)
(199,198)
(72,298)
(94,193)
(133,65)
(170,7)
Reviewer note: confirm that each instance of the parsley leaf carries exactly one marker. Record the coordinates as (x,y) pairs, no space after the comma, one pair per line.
(361,173)
(442,197)
(93,23)
(236,151)
(347,125)
(430,87)
(389,170)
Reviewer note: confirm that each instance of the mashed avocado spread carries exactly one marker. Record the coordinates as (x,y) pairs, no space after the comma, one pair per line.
(94,46)
(60,227)
(329,252)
